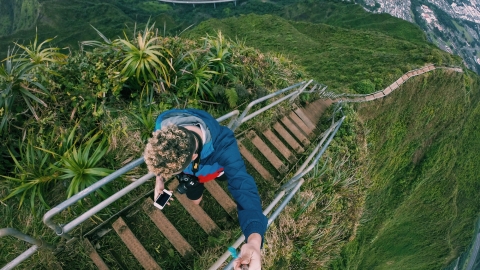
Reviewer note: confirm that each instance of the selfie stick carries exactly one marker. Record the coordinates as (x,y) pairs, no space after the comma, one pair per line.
(235,256)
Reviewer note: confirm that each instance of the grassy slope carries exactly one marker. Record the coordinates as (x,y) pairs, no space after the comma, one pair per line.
(337,57)
(17,15)
(70,22)
(354,17)
(423,154)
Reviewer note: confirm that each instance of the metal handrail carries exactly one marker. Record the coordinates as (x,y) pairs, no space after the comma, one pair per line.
(63,231)
(37,244)
(47,218)
(233,115)
(244,118)
(274,216)
(235,122)
(299,175)
(20,258)
(292,187)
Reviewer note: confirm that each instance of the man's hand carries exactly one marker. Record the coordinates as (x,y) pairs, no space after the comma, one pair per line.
(159,186)
(250,253)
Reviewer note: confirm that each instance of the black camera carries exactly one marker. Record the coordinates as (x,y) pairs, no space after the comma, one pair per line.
(186,181)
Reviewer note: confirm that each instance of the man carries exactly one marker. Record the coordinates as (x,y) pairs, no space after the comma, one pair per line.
(191,143)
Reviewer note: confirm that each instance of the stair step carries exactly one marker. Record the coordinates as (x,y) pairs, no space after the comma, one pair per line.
(295,131)
(93,254)
(254,162)
(303,127)
(315,109)
(267,152)
(202,218)
(299,112)
(167,228)
(137,249)
(288,138)
(222,198)
(273,139)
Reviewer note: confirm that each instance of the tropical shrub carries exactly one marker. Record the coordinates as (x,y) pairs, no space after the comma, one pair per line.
(364,87)
(33,174)
(21,77)
(219,56)
(80,165)
(143,59)
(87,80)
(195,79)
(17,84)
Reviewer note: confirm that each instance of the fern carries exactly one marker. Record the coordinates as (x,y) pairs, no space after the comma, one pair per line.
(218,90)
(232,97)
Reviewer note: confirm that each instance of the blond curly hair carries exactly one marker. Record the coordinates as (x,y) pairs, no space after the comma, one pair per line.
(169,150)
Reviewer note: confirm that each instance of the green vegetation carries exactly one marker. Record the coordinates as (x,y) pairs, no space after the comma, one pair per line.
(467,36)
(397,184)
(68,121)
(111,17)
(338,57)
(17,15)
(422,201)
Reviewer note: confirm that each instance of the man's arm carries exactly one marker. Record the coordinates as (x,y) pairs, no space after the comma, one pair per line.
(242,186)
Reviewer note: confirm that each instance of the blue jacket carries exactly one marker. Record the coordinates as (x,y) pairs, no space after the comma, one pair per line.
(220,153)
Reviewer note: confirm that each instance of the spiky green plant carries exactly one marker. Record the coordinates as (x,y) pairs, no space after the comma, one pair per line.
(32,176)
(18,82)
(143,58)
(196,76)
(218,54)
(81,166)
(35,54)
(106,44)
(146,120)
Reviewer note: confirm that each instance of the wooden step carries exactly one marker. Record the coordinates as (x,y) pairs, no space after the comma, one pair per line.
(315,109)
(267,152)
(137,249)
(299,122)
(167,228)
(275,141)
(295,131)
(93,254)
(254,162)
(197,213)
(222,198)
(299,112)
(288,138)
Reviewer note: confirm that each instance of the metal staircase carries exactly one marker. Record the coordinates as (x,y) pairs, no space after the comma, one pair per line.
(272,155)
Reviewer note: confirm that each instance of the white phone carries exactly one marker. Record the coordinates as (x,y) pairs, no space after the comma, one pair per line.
(162,199)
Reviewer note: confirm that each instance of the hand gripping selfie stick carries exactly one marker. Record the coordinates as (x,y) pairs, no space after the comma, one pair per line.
(235,256)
